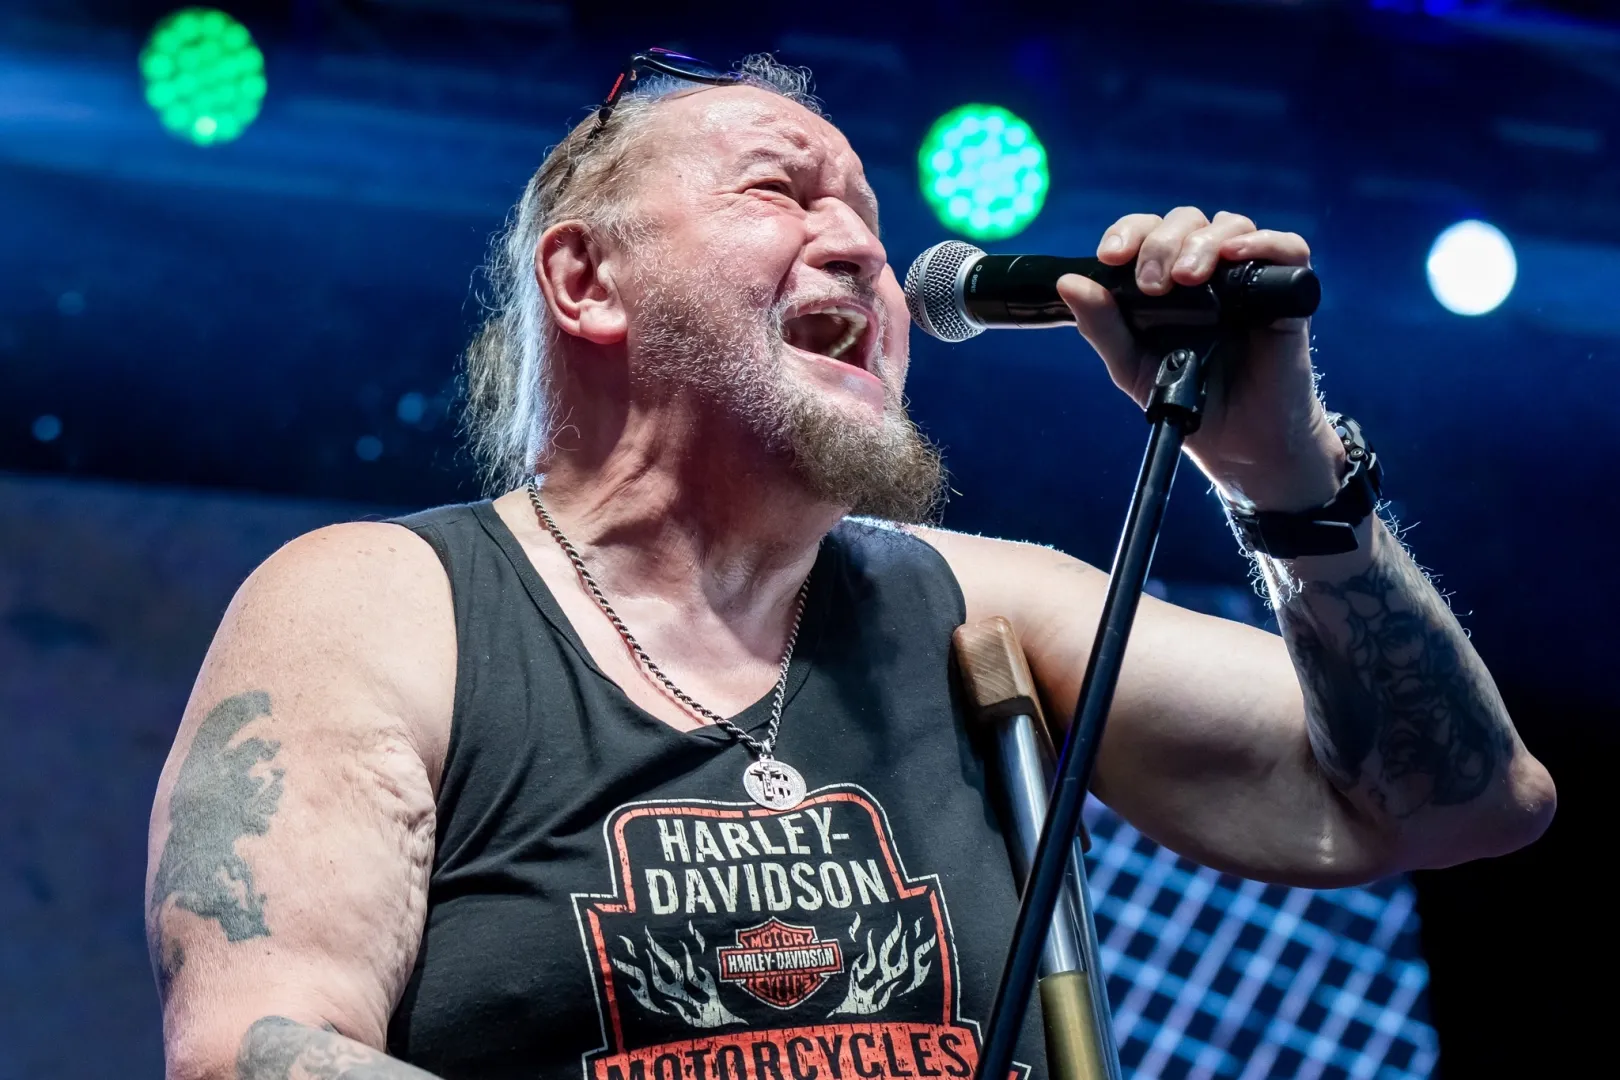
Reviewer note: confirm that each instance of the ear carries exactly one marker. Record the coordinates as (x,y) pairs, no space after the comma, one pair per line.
(578,286)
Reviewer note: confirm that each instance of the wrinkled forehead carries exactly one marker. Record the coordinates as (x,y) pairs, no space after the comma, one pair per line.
(732,127)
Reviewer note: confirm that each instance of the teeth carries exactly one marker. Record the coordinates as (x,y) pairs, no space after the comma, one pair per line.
(854,325)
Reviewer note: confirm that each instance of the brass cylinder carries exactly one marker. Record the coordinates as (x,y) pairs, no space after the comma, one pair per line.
(1072,1048)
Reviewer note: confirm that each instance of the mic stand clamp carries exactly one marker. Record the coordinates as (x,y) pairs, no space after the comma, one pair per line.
(1179,389)
(1175,410)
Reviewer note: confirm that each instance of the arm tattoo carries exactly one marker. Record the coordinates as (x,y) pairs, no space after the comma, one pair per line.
(276,1048)
(1399,706)
(217,800)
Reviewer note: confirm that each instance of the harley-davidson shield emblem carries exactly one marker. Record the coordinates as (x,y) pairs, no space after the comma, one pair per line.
(780,964)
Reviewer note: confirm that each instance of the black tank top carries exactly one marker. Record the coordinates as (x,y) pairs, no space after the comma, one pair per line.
(605,902)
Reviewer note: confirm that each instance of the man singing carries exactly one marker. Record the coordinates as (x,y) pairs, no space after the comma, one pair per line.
(653,768)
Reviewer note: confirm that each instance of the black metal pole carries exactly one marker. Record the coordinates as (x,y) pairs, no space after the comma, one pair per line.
(1174,411)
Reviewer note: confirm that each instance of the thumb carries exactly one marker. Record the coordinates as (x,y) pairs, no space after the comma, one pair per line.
(1098,319)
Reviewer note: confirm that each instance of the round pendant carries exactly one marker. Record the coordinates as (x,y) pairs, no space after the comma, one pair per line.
(773,784)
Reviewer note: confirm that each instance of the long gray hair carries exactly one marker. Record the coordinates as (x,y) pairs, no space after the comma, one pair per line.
(510,409)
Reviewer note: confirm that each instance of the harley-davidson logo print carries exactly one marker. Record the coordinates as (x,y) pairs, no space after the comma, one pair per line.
(741,943)
(780,964)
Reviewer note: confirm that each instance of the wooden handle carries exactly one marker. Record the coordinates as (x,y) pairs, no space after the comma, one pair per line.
(994,670)
(997,678)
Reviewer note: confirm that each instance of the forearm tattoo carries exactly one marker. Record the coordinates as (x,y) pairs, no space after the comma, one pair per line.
(218,799)
(1400,709)
(276,1048)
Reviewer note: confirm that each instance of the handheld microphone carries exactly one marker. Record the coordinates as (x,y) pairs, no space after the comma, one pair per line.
(955,291)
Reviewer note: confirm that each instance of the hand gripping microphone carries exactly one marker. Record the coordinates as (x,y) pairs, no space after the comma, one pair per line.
(955,291)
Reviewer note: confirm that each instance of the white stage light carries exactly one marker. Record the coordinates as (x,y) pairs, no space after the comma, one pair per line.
(1472,268)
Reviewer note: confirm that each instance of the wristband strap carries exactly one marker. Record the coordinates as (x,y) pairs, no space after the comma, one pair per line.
(1329,529)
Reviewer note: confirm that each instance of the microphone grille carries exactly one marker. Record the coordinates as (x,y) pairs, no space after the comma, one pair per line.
(932,291)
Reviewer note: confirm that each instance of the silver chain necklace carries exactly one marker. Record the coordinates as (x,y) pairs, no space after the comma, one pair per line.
(773,784)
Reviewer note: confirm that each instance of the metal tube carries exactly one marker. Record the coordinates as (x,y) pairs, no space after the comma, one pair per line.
(1079,894)
(1074,1050)
(1024,775)
(1074,993)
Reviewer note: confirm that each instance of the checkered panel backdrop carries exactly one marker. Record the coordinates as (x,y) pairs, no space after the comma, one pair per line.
(1214,976)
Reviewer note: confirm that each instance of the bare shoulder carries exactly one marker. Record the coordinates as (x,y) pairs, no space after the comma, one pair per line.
(371,557)
(293,826)
(354,609)
(1020,580)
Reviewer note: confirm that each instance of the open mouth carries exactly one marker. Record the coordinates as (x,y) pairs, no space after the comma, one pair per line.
(839,333)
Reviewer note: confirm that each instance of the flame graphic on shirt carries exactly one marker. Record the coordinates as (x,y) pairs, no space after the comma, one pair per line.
(875,976)
(682,988)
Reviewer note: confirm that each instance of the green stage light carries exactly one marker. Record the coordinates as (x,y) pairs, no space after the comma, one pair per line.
(204,75)
(983,171)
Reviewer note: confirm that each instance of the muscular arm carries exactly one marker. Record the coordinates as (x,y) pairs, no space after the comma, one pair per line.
(1386,749)
(1403,718)
(293,826)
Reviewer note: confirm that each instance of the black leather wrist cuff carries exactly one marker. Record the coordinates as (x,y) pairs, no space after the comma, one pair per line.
(1328,529)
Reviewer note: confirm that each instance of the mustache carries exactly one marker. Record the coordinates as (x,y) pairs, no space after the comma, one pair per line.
(841,288)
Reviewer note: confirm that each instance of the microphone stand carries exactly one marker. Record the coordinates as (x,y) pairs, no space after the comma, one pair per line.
(1175,410)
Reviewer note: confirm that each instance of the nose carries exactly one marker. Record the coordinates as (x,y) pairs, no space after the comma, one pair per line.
(842,243)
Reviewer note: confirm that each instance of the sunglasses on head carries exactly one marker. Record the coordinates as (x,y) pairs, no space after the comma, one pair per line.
(660,62)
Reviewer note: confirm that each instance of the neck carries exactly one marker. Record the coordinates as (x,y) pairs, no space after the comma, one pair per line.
(670,500)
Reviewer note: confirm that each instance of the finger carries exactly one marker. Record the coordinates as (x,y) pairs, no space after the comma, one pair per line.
(1161,246)
(1201,250)
(1098,319)
(1118,245)
(1289,249)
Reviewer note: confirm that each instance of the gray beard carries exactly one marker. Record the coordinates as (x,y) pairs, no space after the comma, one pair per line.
(733,358)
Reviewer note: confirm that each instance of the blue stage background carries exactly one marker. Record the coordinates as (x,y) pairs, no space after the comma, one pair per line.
(204,351)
